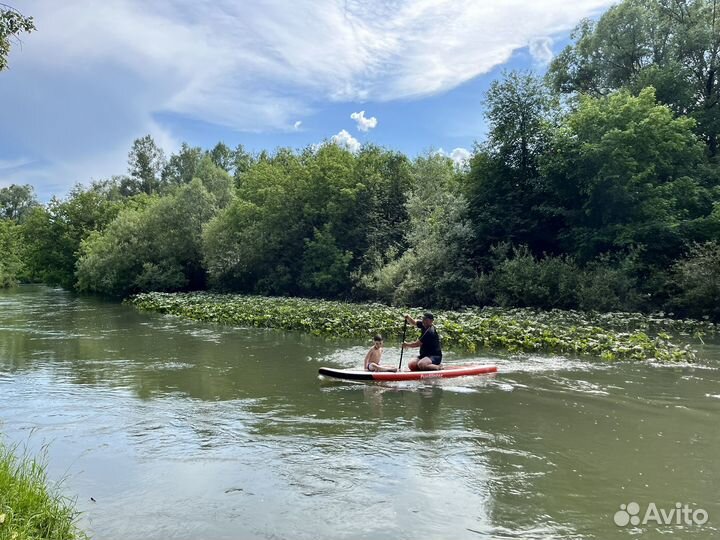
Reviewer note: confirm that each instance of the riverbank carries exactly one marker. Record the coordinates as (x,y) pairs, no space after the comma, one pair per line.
(29,509)
(606,336)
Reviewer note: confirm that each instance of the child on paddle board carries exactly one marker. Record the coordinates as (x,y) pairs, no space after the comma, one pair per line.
(372,358)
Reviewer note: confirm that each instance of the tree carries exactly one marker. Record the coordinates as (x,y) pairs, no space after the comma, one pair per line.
(672,45)
(12,24)
(509,200)
(17,201)
(155,247)
(11,247)
(222,156)
(435,269)
(145,163)
(180,168)
(627,173)
(53,234)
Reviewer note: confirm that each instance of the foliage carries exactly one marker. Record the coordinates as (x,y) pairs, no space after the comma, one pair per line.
(11,247)
(145,163)
(17,201)
(435,268)
(522,280)
(624,172)
(698,277)
(514,330)
(28,508)
(52,235)
(156,247)
(304,223)
(12,24)
(509,200)
(672,46)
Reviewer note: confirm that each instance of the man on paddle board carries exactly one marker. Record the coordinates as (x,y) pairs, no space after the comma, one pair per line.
(430,356)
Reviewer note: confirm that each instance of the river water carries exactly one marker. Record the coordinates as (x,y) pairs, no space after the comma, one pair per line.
(164,428)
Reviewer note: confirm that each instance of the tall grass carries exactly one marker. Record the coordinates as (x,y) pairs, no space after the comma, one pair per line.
(29,508)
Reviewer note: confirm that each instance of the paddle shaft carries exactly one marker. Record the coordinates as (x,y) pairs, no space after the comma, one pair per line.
(402,349)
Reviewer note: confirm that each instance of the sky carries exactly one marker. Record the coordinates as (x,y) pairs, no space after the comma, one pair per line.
(409,75)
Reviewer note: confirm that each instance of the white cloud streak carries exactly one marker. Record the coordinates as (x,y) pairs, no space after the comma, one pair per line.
(541,50)
(250,65)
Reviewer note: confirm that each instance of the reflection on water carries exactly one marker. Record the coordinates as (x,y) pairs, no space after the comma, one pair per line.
(187,430)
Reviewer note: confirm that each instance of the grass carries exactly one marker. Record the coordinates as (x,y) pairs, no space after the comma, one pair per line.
(29,508)
(606,336)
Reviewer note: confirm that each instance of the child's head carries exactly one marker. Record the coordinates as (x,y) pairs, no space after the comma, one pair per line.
(378,340)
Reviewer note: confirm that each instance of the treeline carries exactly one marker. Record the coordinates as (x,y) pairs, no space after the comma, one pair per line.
(597,187)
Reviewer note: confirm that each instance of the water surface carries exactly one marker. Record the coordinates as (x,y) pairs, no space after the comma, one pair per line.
(189,430)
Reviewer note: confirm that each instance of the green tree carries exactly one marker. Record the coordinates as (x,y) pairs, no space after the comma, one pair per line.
(11,247)
(145,163)
(12,24)
(697,277)
(435,269)
(180,168)
(53,234)
(672,45)
(509,199)
(17,201)
(627,173)
(154,247)
(222,156)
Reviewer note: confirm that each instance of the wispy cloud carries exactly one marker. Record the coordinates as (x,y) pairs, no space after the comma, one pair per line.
(541,50)
(363,123)
(251,65)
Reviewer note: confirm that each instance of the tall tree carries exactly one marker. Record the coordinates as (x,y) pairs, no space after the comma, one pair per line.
(508,198)
(16,201)
(628,173)
(181,167)
(145,162)
(12,24)
(672,45)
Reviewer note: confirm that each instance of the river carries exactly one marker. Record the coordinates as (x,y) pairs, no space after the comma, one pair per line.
(164,428)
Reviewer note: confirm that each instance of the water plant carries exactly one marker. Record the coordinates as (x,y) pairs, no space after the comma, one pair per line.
(616,337)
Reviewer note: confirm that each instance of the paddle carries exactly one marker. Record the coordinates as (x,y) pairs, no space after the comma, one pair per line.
(402,349)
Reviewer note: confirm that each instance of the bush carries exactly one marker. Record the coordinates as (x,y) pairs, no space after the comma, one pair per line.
(698,280)
(152,248)
(522,280)
(609,284)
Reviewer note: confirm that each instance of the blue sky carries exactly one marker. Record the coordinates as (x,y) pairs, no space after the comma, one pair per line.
(264,73)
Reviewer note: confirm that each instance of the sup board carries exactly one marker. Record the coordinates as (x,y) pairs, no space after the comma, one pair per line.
(448,371)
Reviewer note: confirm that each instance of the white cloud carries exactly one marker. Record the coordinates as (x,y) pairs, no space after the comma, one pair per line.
(345,140)
(460,156)
(249,65)
(541,50)
(364,124)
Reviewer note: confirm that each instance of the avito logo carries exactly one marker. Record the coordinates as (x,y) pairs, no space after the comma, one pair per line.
(680,514)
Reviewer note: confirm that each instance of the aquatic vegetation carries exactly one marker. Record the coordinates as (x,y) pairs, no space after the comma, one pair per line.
(614,337)
(28,507)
